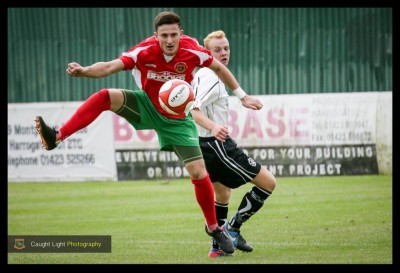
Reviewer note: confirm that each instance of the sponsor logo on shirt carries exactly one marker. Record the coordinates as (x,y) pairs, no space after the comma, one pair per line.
(164,76)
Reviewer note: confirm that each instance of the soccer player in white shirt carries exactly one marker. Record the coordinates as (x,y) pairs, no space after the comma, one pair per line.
(228,166)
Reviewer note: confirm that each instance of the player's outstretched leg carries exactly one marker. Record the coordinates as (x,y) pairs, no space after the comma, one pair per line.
(46,133)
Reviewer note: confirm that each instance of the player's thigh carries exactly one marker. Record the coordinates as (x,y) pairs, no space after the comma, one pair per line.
(126,104)
(192,158)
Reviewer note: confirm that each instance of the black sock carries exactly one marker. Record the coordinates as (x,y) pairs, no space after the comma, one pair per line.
(252,201)
(222,215)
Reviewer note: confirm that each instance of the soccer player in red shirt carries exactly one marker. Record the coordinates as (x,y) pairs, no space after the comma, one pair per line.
(166,55)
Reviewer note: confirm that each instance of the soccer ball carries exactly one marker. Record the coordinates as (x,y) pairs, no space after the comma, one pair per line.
(176,96)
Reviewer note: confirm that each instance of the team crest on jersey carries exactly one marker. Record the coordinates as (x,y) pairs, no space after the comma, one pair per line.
(180,67)
(252,162)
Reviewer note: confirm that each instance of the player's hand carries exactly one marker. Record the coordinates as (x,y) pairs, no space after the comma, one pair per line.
(74,69)
(220,132)
(251,103)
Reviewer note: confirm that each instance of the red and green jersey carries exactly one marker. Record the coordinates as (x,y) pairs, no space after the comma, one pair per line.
(151,70)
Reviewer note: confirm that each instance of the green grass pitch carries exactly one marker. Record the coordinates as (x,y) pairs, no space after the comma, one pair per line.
(307,220)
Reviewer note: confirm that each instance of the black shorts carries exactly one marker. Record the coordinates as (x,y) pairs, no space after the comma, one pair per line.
(226,163)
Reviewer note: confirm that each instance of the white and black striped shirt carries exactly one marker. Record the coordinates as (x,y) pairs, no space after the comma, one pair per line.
(211,97)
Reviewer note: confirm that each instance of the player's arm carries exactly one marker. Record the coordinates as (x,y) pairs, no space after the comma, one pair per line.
(96,70)
(218,131)
(229,80)
(225,75)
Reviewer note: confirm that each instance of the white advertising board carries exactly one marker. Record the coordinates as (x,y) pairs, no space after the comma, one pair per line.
(292,135)
(87,155)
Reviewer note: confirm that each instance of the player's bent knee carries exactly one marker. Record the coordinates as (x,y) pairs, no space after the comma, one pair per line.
(103,95)
(265,179)
(197,178)
(196,169)
(116,97)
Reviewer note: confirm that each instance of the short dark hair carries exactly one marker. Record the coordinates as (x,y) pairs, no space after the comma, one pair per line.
(167,18)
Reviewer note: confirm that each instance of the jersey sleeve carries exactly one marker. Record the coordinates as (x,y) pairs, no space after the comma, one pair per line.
(206,58)
(129,64)
(129,58)
(206,86)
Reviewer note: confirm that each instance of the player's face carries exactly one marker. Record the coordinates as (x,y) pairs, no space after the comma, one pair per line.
(220,50)
(168,37)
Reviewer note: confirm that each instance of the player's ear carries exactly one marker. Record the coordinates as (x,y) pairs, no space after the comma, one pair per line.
(155,34)
(181,32)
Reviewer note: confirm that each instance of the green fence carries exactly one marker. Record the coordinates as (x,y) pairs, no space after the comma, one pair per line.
(273,50)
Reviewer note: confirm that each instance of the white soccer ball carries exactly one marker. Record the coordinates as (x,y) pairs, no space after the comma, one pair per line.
(176,96)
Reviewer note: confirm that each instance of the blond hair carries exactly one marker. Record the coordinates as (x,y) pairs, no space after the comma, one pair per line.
(218,34)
